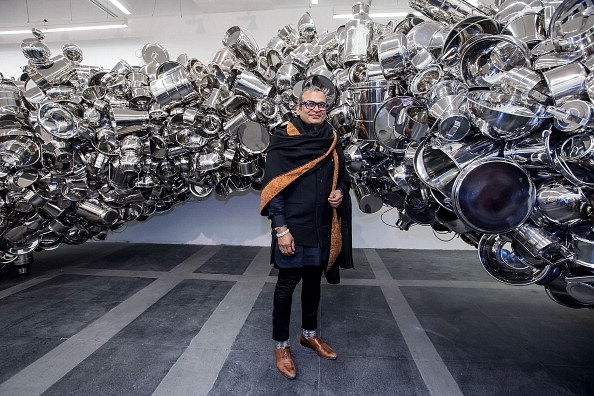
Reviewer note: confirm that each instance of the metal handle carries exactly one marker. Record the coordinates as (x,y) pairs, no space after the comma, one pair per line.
(564,115)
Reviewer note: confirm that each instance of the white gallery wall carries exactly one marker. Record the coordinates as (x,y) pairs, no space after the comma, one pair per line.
(236,220)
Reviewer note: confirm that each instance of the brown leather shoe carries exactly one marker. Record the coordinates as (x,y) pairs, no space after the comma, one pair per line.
(319,346)
(284,362)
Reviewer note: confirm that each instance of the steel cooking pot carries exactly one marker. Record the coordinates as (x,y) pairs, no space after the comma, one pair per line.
(499,259)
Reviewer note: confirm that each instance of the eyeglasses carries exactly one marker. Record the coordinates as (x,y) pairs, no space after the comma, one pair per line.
(310,105)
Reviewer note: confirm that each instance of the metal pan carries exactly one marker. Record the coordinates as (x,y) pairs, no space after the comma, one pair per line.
(493,195)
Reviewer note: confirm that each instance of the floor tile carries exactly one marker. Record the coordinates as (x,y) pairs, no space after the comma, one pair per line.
(145,257)
(353,298)
(570,379)
(474,338)
(433,264)
(233,260)
(73,316)
(18,352)
(118,369)
(498,378)
(363,334)
(76,300)
(552,342)
(443,300)
(178,316)
(371,376)
(362,268)
(255,374)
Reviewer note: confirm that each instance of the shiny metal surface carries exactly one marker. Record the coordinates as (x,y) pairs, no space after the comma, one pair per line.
(393,54)
(389,125)
(563,204)
(450,11)
(499,259)
(571,27)
(567,82)
(358,33)
(439,164)
(583,246)
(484,59)
(504,116)
(493,195)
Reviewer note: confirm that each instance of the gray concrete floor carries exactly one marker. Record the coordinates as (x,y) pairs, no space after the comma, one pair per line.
(144,319)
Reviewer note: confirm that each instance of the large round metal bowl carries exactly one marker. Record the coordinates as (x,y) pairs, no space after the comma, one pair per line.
(505,116)
(485,59)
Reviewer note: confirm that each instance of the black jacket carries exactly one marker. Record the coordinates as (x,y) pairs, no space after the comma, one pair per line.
(304,202)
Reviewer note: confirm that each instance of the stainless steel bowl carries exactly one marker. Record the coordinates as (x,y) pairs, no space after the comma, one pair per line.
(505,116)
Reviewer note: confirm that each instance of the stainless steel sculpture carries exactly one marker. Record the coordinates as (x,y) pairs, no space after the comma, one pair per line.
(475,120)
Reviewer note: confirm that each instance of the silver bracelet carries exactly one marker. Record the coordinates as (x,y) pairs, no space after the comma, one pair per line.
(285,232)
(276,228)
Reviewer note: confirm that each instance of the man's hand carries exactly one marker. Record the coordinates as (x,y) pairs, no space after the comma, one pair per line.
(286,243)
(335,198)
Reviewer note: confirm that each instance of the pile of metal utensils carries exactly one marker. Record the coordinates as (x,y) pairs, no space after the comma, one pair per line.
(474,120)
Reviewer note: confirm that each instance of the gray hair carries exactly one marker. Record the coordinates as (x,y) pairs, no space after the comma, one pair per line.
(310,88)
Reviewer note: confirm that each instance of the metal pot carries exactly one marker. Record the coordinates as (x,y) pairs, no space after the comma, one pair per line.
(392,122)
(563,204)
(571,28)
(498,258)
(438,164)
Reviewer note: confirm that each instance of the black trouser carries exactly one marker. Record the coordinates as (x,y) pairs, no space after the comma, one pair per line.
(288,278)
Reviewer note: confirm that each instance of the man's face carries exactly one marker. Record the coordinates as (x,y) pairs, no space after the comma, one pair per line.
(314,116)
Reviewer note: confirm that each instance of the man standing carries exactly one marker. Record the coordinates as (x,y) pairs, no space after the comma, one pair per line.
(305,195)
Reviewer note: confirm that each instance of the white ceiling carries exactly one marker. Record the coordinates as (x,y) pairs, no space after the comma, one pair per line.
(24,12)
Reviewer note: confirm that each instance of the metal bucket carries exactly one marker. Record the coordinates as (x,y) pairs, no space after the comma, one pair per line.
(393,54)
(253,138)
(527,27)
(583,246)
(242,46)
(445,101)
(567,82)
(251,85)
(61,71)
(530,152)
(10,98)
(504,116)
(369,98)
(485,59)
(173,87)
(125,121)
(562,204)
